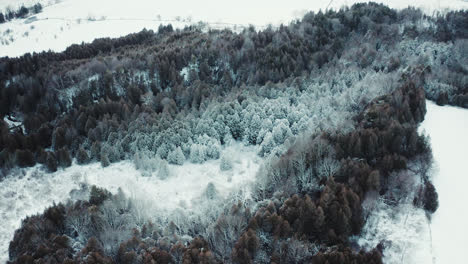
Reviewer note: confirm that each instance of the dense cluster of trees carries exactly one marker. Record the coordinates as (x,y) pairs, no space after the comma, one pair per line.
(448,81)
(22,12)
(331,102)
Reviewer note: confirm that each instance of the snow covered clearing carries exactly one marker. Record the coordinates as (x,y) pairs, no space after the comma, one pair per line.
(403,231)
(72,22)
(33,190)
(407,234)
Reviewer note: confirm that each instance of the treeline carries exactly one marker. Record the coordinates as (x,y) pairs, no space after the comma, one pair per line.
(318,29)
(22,12)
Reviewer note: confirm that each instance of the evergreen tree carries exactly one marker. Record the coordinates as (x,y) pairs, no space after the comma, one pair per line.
(211,191)
(37,8)
(197,153)
(22,12)
(51,162)
(176,157)
(104,157)
(63,157)
(24,158)
(163,171)
(226,163)
(82,156)
(431,198)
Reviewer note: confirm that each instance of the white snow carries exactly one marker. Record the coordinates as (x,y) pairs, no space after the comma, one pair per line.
(30,191)
(448,128)
(75,21)
(408,235)
(184,185)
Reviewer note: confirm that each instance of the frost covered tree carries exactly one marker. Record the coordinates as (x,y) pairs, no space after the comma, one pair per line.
(210,191)
(234,123)
(300,126)
(163,150)
(176,156)
(104,159)
(327,167)
(253,129)
(212,147)
(197,153)
(226,163)
(111,151)
(206,127)
(266,127)
(95,150)
(308,181)
(163,171)
(267,145)
(281,131)
(227,137)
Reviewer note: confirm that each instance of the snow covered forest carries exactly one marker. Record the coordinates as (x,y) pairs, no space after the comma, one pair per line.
(284,144)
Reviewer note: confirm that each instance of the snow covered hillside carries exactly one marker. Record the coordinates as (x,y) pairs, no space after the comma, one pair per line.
(74,21)
(408,235)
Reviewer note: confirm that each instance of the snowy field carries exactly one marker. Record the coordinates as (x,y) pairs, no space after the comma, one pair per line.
(408,235)
(448,128)
(33,190)
(67,22)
